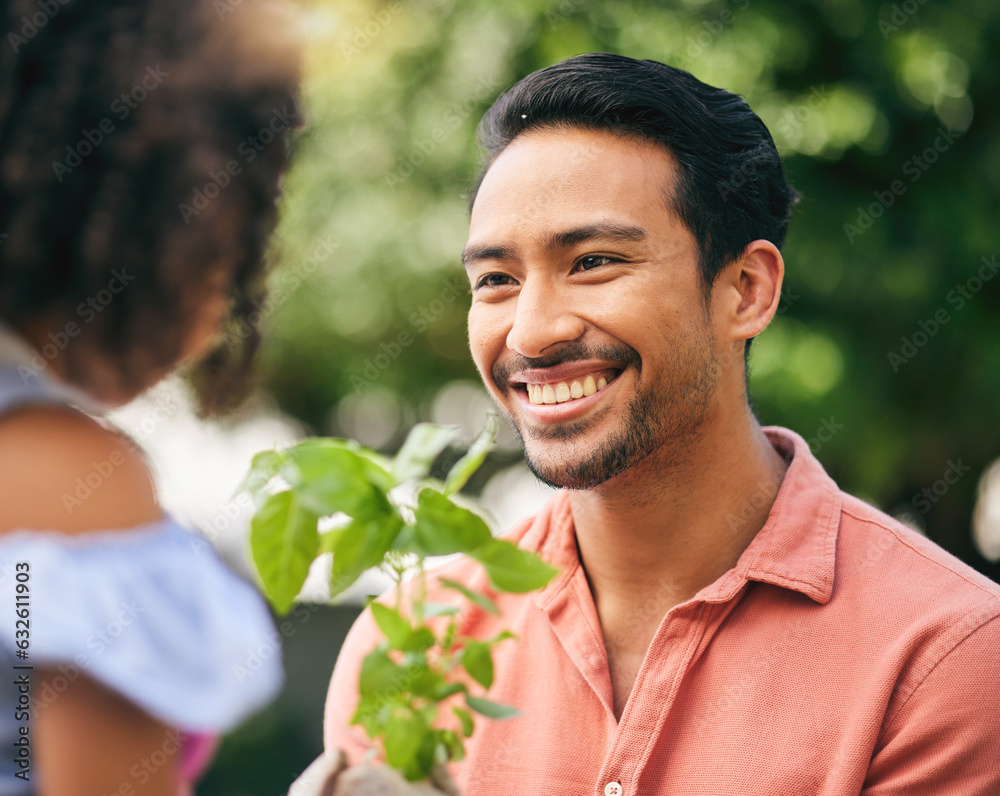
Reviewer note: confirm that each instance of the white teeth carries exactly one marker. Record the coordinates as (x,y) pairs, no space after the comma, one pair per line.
(562,392)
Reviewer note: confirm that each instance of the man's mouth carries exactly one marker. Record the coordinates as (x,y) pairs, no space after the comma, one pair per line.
(570,389)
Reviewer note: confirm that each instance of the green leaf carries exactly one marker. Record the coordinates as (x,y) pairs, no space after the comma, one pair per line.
(359,545)
(440,527)
(423,445)
(467,724)
(439,609)
(263,467)
(403,738)
(478,662)
(283,541)
(462,470)
(455,749)
(379,673)
(449,689)
(479,599)
(331,475)
(317,455)
(511,568)
(422,763)
(392,624)
(493,710)
(420,639)
(422,680)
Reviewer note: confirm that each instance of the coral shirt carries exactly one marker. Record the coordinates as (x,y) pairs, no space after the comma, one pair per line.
(843,654)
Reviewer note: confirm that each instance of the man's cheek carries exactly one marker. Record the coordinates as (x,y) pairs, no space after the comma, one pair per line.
(486,342)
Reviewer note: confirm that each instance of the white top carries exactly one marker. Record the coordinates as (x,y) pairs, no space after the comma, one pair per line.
(151,612)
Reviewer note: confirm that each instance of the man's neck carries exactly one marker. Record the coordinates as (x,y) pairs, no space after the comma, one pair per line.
(665,531)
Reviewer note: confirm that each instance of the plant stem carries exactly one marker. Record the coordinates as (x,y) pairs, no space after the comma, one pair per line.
(420,592)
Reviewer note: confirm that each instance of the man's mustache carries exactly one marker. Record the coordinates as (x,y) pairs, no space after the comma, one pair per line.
(623,355)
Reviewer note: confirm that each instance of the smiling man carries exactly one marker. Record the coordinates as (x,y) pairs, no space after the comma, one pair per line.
(726,620)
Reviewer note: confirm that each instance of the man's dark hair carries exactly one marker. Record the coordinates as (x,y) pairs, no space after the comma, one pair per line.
(144,139)
(731,188)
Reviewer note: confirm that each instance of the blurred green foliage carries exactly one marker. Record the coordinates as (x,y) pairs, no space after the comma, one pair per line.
(369,303)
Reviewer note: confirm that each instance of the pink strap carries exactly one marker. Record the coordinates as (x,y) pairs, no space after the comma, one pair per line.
(197,751)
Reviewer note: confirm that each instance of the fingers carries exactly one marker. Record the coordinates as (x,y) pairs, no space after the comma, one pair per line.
(320,778)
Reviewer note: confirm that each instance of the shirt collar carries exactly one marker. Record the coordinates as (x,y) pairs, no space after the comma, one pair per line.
(796,548)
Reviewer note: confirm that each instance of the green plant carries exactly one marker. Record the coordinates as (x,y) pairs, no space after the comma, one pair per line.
(390,513)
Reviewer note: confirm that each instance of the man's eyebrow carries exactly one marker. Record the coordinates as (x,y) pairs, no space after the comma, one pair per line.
(472,254)
(558,240)
(611,231)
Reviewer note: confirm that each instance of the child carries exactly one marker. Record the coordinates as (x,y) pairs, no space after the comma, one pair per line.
(133,219)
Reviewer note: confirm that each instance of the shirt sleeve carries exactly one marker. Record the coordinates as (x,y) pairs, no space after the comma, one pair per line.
(151,613)
(944,739)
(342,698)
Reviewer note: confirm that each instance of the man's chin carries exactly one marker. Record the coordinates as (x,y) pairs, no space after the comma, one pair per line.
(570,473)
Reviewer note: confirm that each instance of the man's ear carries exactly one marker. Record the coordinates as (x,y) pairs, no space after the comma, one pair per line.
(751,289)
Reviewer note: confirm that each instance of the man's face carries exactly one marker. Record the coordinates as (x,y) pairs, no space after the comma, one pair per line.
(588,322)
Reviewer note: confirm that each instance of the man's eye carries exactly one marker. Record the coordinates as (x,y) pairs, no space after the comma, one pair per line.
(493,280)
(592,261)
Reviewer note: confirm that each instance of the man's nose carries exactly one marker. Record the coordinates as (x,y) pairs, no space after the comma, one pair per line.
(545,316)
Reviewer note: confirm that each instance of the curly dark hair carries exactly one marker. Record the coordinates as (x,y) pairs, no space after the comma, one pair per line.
(141,146)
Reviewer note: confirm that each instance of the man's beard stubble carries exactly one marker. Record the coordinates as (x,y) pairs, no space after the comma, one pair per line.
(662,421)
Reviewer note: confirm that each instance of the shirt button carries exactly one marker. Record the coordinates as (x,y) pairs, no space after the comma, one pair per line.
(613,789)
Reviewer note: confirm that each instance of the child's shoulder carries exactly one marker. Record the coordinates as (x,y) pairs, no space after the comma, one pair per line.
(61,470)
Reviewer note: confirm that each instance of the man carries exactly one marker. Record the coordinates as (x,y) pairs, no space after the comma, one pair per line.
(726,621)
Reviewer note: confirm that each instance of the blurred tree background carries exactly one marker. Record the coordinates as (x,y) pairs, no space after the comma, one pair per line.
(886,350)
